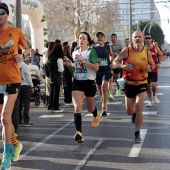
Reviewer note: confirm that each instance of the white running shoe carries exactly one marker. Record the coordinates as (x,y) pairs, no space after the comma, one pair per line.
(150,104)
(156,99)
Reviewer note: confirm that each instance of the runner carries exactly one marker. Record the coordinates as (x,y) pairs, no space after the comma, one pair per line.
(86,65)
(104,73)
(10,80)
(153,76)
(136,78)
(116,48)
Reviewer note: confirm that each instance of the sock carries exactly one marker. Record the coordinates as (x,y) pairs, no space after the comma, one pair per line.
(103,109)
(117,87)
(6,149)
(14,140)
(94,112)
(78,121)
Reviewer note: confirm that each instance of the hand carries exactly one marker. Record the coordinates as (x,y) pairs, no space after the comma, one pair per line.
(128,67)
(79,57)
(147,68)
(18,57)
(32,90)
(158,65)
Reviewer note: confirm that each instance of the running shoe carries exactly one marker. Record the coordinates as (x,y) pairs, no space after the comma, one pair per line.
(104,113)
(156,101)
(111,98)
(150,104)
(118,92)
(137,137)
(96,120)
(16,150)
(78,137)
(133,117)
(6,162)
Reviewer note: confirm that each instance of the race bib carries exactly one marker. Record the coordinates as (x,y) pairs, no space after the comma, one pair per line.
(80,72)
(3,89)
(103,62)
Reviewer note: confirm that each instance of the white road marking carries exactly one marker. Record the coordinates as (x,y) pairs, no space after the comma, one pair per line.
(163,86)
(50,116)
(159,94)
(150,113)
(137,147)
(90,114)
(153,102)
(89,155)
(114,103)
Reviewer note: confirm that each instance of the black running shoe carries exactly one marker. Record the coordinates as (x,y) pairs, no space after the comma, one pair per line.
(104,113)
(78,137)
(133,117)
(137,137)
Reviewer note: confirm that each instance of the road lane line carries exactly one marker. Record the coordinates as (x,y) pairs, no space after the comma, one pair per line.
(137,147)
(50,116)
(89,155)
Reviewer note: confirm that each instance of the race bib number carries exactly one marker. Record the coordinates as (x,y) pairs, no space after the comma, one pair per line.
(103,62)
(80,72)
(3,89)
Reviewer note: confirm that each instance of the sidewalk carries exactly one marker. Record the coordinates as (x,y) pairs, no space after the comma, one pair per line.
(165,63)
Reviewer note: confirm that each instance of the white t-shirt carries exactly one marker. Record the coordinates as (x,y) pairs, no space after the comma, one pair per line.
(82,72)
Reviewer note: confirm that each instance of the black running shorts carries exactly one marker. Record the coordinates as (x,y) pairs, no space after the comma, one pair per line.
(11,89)
(152,77)
(86,86)
(132,90)
(102,76)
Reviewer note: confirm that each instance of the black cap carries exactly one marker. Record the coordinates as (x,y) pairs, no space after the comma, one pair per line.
(4,7)
(99,33)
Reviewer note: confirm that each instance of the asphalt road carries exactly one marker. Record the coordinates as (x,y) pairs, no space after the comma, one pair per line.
(50,145)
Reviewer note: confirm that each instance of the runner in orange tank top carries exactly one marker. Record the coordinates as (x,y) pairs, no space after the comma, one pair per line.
(136,78)
(10,79)
(153,76)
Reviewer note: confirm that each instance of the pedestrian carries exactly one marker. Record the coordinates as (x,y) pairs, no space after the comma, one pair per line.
(33,58)
(136,78)
(67,75)
(104,53)
(56,58)
(86,65)
(26,89)
(10,79)
(48,79)
(73,46)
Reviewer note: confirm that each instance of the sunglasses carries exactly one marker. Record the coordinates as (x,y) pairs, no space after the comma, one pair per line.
(2,13)
(148,38)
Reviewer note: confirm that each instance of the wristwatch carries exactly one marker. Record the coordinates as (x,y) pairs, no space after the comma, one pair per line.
(84,60)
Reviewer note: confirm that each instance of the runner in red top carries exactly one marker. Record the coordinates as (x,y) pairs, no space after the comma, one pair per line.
(153,76)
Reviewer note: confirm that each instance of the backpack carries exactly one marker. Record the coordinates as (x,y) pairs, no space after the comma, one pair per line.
(47,68)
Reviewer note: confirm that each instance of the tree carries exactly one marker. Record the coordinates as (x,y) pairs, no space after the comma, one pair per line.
(73,16)
(153,28)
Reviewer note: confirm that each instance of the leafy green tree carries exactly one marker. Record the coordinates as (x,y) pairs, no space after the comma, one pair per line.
(151,27)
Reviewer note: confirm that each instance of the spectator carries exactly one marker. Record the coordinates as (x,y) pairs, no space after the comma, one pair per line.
(27,88)
(67,75)
(56,57)
(33,58)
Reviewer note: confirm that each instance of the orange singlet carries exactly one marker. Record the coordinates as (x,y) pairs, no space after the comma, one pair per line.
(140,60)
